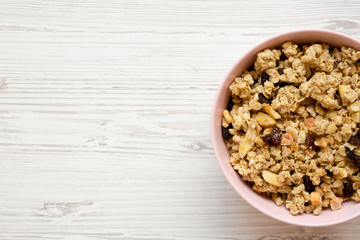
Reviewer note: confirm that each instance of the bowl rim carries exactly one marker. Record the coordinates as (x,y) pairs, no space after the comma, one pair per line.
(213,127)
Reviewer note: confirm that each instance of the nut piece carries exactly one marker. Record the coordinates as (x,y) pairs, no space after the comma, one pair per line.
(321,142)
(311,110)
(320,172)
(248,142)
(317,210)
(272,178)
(355,107)
(302,136)
(265,120)
(342,90)
(331,128)
(335,203)
(227,116)
(331,114)
(340,173)
(315,198)
(337,183)
(355,117)
(271,111)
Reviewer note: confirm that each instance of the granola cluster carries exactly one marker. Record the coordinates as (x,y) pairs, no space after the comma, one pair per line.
(292,123)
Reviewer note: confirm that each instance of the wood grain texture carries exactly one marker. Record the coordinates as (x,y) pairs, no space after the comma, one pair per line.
(105,110)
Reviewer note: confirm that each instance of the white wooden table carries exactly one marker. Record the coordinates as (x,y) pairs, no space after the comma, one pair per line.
(105,109)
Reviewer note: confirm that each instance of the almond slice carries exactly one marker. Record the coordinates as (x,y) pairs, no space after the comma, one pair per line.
(342,90)
(272,178)
(271,111)
(264,120)
(248,142)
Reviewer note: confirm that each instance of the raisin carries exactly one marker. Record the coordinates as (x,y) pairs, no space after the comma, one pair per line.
(225,131)
(355,139)
(264,99)
(310,142)
(230,105)
(309,186)
(330,174)
(264,77)
(267,139)
(282,84)
(351,155)
(276,135)
(348,190)
(280,71)
(283,57)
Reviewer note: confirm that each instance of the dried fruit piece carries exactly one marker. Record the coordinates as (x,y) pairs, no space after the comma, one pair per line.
(264,120)
(280,71)
(355,140)
(292,131)
(310,142)
(309,122)
(272,178)
(351,155)
(276,135)
(271,111)
(267,139)
(264,77)
(309,186)
(287,139)
(348,190)
(263,99)
(225,131)
(281,84)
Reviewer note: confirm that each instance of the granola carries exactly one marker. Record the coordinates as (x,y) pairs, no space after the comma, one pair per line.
(292,124)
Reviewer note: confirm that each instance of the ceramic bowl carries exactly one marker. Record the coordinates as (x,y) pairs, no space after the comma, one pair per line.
(327,217)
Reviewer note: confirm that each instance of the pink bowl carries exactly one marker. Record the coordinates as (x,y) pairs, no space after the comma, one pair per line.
(327,217)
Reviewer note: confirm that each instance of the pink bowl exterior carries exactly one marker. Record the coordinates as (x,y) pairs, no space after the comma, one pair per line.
(327,217)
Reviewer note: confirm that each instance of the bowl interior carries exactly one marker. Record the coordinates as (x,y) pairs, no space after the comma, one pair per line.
(327,217)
